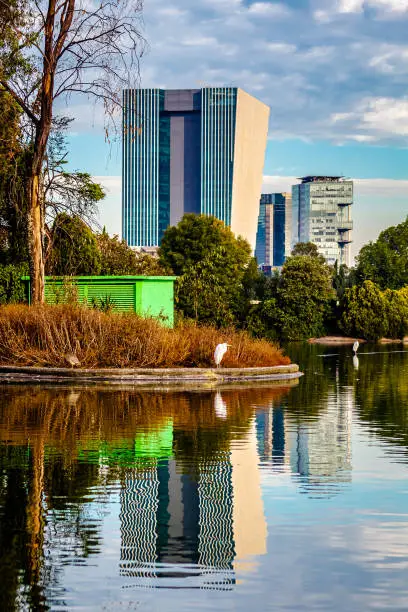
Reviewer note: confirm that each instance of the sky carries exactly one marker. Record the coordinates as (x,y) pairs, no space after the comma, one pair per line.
(334,73)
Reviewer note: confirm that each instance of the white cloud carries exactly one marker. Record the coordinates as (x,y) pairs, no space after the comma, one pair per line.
(390,59)
(170,11)
(357,6)
(351,6)
(378,116)
(314,75)
(280,47)
(266,9)
(200,41)
(396,6)
(110,209)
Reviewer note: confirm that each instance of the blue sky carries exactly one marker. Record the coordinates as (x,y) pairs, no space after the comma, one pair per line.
(334,72)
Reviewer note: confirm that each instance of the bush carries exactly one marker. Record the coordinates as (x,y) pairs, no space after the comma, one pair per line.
(44,335)
(397,312)
(364,312)
(12,289)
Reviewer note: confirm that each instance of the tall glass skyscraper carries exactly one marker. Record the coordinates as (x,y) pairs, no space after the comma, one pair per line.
(191,150)
(321,213)
(273,237)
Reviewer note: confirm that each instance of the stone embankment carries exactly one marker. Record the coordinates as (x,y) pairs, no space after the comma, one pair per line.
(148,376)
(333,340)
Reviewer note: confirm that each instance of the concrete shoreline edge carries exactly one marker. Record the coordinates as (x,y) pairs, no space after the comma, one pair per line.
(143,376)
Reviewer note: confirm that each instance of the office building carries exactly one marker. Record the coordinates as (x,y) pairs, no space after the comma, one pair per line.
(321,213)
(273,237)
(191,151)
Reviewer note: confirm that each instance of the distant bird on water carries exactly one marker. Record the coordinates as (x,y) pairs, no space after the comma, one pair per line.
(219,352)
(355,346)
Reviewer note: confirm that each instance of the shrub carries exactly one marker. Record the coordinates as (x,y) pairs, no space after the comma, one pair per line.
(12,289)
(44,335)
(397,312)
(364,312)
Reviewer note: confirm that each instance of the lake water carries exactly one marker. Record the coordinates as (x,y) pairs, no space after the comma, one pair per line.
(261,498)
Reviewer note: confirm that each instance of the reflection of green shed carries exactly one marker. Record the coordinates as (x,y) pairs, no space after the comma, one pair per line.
(151,445)
(146,295)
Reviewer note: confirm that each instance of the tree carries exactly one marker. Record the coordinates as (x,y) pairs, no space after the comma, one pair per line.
(364,312)
(74,193)
(202,293)
(303,295)
(385,261)
(74,248)
(195,236)
(118,258)
(306,249)
(211,263)
(297,308)
(74,46)
(397,312)
(13,240)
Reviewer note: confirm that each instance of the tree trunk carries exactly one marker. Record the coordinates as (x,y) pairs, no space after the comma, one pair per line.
(35,227)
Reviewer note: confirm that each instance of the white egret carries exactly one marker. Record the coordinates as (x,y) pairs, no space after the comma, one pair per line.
(355,362)
(355,346)
(219,353)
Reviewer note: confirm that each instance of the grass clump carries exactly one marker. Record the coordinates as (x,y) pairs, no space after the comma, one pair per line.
(45,335)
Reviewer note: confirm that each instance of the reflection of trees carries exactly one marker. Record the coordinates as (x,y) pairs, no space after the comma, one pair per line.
(13,535)
(50,466)
(310,397)
(382,395)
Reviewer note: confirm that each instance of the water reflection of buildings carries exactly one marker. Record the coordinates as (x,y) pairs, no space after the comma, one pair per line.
(316,451)
(210,523)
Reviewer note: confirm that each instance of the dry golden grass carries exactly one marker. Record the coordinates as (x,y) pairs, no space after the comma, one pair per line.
(44,335)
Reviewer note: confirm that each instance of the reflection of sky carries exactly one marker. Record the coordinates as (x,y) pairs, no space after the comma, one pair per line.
(347,552)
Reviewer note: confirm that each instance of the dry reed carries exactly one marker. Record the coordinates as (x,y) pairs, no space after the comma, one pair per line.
(44,335)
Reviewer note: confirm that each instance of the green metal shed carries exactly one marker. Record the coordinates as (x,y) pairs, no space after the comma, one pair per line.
(149,296)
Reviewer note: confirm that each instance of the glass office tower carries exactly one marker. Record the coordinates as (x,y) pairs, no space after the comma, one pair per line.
(321,213)
(273,238)
(191,151)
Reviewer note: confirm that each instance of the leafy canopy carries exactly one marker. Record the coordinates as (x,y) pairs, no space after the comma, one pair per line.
(212,265)
(385,261)
(300,297)
(368,312)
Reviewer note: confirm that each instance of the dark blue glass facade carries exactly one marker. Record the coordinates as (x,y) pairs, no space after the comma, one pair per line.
(218,117)
(178,157)
(141,166)
(271,238)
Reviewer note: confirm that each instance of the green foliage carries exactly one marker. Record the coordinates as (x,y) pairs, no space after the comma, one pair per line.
(65,292)
(397,312)
(104,304)
(202,295)
(118,258)
(74,248)
(370,313)
(215,269)
(301,297)
(195,237)
(364,312)
(307,248)
(342,279)
(12,288)
(385,262)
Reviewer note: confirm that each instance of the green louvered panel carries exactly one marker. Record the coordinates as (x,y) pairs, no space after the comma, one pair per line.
(61,293)
(123,296)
